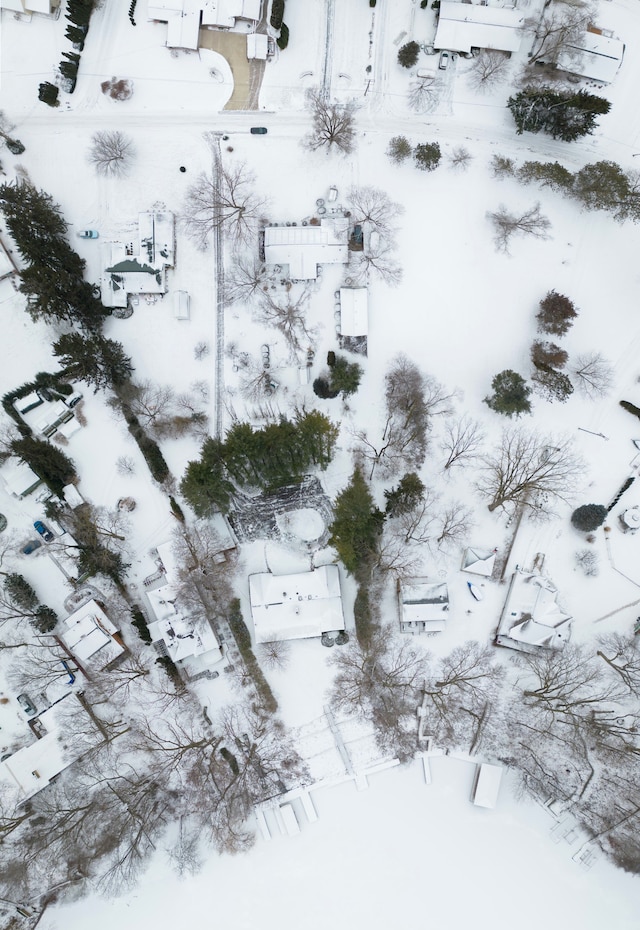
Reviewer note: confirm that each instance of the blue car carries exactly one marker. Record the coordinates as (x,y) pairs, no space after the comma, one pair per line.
(44,531)
(88,234)
(31,546)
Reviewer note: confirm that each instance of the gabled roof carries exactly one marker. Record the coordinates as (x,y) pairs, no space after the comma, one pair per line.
(462,26)
(532,618)
(424,605)
(91,637)
(354,311)
(594,56)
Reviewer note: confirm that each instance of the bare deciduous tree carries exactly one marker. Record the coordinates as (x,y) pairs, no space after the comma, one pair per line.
(378,260)
(111,153)
(288,314)
(333,124)
(275,654)
(502,167)
(423,95)
(489,69)
(201,350)
(530,223)
(227,201)
(247,278)
(125,465)
(460,158)
(530,470)
(453,524)
(374,206)
(150,402)
(462,441)
(593,374)
(559,30)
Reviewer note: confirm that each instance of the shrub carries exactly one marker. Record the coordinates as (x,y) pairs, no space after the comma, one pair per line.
(283,39)
(427,156)
(399,149)
(153,457)
(630,408)
(277,13)
(176,509)
(365,623)
(408,54)
(331,359)
(48,93)
(243,641)
(171,669)
(322,389)
(556,314)
(589,517)
(138,621)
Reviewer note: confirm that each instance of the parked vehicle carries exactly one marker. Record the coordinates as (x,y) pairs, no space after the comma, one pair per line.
(444,61)
(258,130)
(73,399)
(88,234)
(27,704)
(44,531)
(333,194)
(31,546)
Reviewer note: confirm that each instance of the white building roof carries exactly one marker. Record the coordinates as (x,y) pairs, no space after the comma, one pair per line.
(257,45)
(145,272)
(478,561)
(531,618)
(90,636)
(69,734)
(462,26)
(183,637)
(72,495)
(424,605)
(303,248)
(296,606)
(487,785)
(595,56)
(354,311)
(47,416)
(18,478)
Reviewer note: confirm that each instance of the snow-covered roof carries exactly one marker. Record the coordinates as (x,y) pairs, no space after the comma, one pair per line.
(354,311)
(18,478)
(463,26)
(26,6)
(145,272)
(487,785)
(183,637)
(296,606)
(424,605)
(478,561)
(46,417)
(72,495)
(91,637)
(257,45)
(594,56)
(531,618)
(303,248)
(69,733)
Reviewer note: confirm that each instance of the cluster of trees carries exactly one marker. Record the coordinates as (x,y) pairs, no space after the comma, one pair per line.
(52,277)
(427,155)
(343,377)
(563,114)
(602,185)
(19,601)
(274,455)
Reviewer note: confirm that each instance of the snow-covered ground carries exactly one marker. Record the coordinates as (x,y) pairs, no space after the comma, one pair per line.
(401,851)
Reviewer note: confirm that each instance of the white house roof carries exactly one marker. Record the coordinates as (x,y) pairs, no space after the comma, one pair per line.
(354,311)
(145,272)
(257,45)
(594,56)
(424,602)
(46,417)
(531,618)
(18,478)
(462,26)
(303,248)
(69,734)
(183,637)
(487,785)
(72,495)
(478,562)
(90,636)
(296,606)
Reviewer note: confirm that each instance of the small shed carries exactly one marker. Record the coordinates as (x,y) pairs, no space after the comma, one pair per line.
(424,606)
(354,311)
(487,785)
(479,561)
(257,46)
(181,305)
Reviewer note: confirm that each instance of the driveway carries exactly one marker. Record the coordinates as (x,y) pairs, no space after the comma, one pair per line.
(247,75)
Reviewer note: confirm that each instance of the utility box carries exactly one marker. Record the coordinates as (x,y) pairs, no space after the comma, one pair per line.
(181,305)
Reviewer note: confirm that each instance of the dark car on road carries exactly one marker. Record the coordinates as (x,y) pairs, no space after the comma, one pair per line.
(44,531)
(258,130)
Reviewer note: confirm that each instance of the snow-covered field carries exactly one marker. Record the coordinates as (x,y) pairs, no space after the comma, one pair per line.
(400,851)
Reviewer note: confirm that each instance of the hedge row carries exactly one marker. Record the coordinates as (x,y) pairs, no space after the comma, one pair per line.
(243,641)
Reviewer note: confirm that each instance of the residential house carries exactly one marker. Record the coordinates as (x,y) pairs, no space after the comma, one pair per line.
(532,619)
(185,18)
(303,248)
(19,480)
(463,26)
(424,605)
(297,606)
(139,268)
(45,7)
(595,56)
(91,639)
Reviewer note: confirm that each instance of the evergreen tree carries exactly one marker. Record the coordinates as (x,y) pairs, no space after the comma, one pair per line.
(345,376)
(399,149)
(408,54)
(406,496)
(555,385)
(98,361)
(427,156)
(510,394)
(546,355)
(49,463)
(565,115)
(357,525)
(605,186)
(205,485)
(44,619)
(48,93)
(556,314)
(589,517)
(548,174)
(20,591)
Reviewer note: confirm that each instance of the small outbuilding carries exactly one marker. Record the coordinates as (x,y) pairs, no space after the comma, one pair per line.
(479,561)
(424,605)
(486,785)
(354,311)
